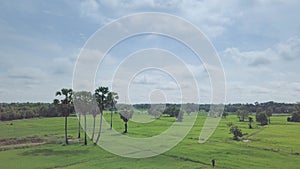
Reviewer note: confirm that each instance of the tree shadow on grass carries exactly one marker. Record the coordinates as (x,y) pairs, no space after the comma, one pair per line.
(50,152)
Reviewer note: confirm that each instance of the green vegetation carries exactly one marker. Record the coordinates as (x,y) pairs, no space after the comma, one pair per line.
(65,106)
(39,143)
(236,131)
(295,115)
(262,117)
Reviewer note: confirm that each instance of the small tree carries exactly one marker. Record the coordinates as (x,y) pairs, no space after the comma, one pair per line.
(262,118)
(112,98)
(125,114)
(236,131)
(296,114)
(172,110)
(156,110)
(250,122)
(269,113)
(189,108)
(295,117)
(180,116)
(224,114)
(242,114)
(229,124)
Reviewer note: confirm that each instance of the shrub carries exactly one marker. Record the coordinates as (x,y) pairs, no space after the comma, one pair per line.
(236,131)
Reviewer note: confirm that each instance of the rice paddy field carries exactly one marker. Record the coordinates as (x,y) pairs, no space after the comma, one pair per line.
(39,143)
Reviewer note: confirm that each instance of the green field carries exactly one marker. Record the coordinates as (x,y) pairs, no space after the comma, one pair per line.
(38,143)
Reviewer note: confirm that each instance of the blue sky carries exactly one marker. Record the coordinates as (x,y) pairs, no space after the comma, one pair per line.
(258,43)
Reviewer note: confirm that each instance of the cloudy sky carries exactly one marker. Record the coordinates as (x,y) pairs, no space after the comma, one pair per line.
(258,43)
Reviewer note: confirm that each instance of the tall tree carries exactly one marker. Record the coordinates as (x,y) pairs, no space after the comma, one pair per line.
(101,98)
(112,98)
(94,112)
(84,101)
(66,105)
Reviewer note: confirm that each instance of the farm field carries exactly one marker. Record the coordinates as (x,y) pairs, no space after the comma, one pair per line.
(38,143)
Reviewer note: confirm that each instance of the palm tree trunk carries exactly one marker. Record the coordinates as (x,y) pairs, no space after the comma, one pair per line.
(85,141)
(100,129)
(66,129)
(111,114)
(94,125)
(79,125)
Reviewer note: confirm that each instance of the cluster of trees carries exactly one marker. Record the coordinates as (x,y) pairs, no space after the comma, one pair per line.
(265,111)
(173,110)
(262,115)
(86,103)
(12,111)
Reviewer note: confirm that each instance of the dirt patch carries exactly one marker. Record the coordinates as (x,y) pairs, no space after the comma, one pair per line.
(19,146)
(14,141)
(74,140)
(19,143)
(247,141)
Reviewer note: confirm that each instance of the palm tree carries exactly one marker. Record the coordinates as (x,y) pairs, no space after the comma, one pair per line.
(112,98)
(83,100)
(101,98)
(66,104)
(94,112)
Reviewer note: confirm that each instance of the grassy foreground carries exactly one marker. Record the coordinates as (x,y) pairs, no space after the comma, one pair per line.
(38,143)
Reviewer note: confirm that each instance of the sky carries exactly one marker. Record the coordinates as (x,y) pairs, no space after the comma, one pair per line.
(258,43)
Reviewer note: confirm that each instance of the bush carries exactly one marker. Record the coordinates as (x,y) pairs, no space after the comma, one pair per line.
(236,131)
(295,117)
(262,118)
(229,124)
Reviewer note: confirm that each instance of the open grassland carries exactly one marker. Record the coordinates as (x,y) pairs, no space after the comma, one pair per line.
(38,143)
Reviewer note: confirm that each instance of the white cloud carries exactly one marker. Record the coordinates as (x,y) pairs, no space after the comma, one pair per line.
(287,50)
(250,58)
(290,49)
(90,8)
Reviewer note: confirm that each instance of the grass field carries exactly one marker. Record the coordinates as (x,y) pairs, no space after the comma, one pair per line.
(38,143)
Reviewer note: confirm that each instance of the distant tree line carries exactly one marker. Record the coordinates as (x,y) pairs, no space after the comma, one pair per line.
(277,108)
(12,111)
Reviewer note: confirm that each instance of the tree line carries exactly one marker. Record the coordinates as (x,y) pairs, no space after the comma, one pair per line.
(13,111)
